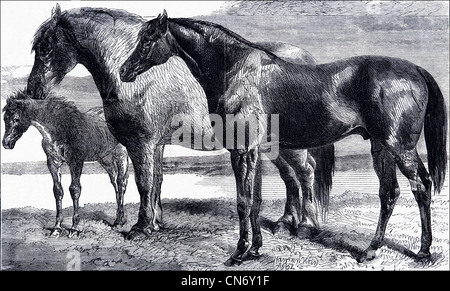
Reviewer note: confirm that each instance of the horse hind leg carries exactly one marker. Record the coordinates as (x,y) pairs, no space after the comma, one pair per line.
(112,166)
(301,162)
(76,168)
(292,209)
(413,168)
(389,191)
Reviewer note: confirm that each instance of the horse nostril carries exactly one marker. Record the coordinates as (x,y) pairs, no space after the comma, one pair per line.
(122,71)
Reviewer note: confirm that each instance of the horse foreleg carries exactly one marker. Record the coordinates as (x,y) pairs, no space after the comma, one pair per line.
(122,180)
(253,252)
(76,168)
(244,167)
(384,165)
(158,179)
(54,167)
(143,158)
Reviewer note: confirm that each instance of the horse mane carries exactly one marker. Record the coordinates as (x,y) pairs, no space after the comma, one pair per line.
(52,102)
(199,25)
(93,15)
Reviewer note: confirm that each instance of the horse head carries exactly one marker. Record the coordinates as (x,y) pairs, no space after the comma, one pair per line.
(16,119)
(155,47)
(55,55)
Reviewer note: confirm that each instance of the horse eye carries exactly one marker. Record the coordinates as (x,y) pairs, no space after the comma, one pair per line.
(145,45)
(45,49)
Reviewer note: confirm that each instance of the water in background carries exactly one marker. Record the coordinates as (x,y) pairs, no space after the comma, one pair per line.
(36,190)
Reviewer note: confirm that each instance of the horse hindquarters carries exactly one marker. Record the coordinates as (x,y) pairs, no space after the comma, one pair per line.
(421,106)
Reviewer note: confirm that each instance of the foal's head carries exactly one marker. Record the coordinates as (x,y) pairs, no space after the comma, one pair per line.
(156,45)
(55,55)
(16,117)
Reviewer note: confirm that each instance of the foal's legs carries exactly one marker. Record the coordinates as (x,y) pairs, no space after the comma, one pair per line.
(54,166)
(384,165)
(76,168)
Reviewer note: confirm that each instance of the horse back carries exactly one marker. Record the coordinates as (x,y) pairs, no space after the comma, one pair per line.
(368,95)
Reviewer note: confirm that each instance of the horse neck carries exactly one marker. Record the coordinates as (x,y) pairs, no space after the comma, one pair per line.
(53,118)
(208,52)
(103,46)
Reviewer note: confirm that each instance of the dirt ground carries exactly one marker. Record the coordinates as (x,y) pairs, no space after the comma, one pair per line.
(202,234)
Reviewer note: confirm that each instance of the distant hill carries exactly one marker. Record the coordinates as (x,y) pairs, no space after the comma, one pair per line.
(81,90)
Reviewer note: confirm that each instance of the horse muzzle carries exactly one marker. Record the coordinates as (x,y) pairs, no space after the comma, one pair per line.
(127,75)
(35,93)
(8,143)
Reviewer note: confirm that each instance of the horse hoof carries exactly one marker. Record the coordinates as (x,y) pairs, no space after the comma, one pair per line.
(282,228)
(56,233)
(251,255)
(117,224)
(138,234)
(367,255)
(309,223)
(232,262)
(423,255)
(74,233)
(370,255)
(305,232)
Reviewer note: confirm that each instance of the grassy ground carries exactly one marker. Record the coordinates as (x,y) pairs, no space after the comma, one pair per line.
(201,235)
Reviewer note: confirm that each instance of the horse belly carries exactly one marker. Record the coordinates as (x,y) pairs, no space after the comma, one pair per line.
(325,126)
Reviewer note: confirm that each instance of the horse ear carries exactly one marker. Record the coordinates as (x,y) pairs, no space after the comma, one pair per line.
(56,13)
(163,20)
(11,104)
(164,15)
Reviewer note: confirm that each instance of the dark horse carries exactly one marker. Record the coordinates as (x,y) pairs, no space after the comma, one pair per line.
(386,100)
(72,137)
(139,114)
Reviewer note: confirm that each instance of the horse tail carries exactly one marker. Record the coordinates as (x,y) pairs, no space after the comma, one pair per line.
(323,176)
(435,128)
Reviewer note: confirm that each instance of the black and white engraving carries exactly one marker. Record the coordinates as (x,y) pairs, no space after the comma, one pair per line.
(285,133)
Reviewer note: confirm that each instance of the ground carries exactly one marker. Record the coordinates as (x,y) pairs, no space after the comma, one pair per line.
(202,234)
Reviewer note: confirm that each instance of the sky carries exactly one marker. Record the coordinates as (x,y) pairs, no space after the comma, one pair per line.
(20,20)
